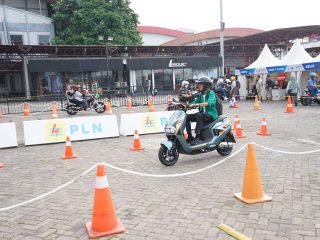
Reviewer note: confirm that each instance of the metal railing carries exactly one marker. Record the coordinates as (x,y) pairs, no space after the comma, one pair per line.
(12,103)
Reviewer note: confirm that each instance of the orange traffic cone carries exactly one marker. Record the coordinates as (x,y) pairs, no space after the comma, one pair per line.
(129,103)
(25,110)
(108,106)
(256,105)
(150,104)
(289,106)
(263,130)
(239,131)
(68,153)
(104,219)
(54,110)
(235,103)
(236,121)
(169,99)
(136,142)
(1,165)
(252,191)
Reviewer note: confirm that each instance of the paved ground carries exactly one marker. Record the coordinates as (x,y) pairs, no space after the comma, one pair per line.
(170,208)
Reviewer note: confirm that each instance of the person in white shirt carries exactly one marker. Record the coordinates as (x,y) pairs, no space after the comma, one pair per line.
(78,96)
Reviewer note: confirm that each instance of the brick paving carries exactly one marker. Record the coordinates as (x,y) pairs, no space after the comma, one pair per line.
(188,207)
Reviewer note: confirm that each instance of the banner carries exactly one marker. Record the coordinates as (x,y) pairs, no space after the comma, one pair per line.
(56,130)
(8,135)
(151,122)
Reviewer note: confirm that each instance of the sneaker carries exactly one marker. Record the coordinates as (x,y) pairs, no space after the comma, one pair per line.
(196,141)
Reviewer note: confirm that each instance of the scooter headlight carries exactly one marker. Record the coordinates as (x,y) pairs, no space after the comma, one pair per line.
(170,130)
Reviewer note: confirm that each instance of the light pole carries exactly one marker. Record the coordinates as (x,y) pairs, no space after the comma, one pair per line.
(221,38)
(109,39)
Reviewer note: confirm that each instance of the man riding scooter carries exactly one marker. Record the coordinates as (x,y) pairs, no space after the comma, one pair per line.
(206,102)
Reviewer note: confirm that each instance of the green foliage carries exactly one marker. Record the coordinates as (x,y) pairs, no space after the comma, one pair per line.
(80,22)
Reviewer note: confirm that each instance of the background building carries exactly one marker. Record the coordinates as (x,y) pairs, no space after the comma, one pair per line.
(155,36)
(24,22)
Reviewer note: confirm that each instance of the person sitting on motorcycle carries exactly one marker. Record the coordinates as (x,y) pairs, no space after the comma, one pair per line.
(184,93)
(80,98)
(206,102)
(312,86)
(221,88)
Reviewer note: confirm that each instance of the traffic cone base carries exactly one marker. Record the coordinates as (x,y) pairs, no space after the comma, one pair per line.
(92,234)
(265,198)
(263,134)
(136,149)
(69,157)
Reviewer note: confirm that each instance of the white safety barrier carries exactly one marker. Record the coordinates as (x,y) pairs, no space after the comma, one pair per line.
(56,130)
(149,174)
(150,122)
(8,135)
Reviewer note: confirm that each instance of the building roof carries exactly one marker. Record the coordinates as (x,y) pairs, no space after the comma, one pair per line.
(228,32)
(277,36)
(161,31)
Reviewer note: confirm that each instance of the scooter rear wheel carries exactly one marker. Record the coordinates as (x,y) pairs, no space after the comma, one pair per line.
(304,101)
(166,157)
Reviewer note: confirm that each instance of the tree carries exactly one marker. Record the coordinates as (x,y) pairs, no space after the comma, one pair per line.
(82,21)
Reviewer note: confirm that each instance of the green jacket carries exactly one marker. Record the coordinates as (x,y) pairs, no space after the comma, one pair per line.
(210,98)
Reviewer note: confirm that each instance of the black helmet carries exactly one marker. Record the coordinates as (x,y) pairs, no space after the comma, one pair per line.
(207,82)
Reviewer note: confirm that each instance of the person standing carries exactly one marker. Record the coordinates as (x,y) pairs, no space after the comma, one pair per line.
(292,89)
(269,87)
(259,87)
(312,86)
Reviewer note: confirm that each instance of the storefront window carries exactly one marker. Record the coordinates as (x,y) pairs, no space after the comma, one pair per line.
(167,80)
(187,73)
(158,79)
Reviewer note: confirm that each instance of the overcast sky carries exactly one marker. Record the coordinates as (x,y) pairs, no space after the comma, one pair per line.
(203,15)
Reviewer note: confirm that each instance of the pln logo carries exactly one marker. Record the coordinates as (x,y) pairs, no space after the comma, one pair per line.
(55,131)
(149,123)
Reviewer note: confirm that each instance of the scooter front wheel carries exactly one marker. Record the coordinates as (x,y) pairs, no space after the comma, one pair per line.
(225,147)
(168,157)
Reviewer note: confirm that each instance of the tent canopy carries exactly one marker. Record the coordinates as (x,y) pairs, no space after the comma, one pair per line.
(296,55)
(265,59)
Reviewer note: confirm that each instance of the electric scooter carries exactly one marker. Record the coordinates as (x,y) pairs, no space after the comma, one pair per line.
(216,136)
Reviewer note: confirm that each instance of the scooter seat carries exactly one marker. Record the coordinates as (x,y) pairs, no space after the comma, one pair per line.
(220,119)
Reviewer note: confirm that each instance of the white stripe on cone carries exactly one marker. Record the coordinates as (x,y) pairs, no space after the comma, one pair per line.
(68,143)
(102,182)
(264,123)
(238,125)
(136,136)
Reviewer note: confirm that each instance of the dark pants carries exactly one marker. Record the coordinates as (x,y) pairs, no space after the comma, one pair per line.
(294,98)
(200,118)
(313,93)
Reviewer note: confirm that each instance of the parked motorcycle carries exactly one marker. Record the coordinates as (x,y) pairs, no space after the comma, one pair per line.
(73,107)
(216,136)
(315,99)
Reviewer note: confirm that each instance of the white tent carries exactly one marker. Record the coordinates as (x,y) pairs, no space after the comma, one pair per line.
(295,57)
(265,59)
